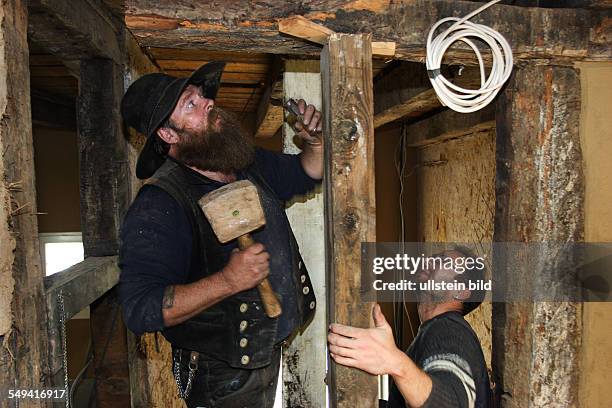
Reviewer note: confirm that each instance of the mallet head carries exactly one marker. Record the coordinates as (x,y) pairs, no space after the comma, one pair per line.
(233,210)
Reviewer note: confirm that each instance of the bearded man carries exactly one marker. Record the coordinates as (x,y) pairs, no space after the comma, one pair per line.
(176,277)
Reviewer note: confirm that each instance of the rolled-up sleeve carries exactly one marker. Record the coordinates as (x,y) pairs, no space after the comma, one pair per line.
(155,252)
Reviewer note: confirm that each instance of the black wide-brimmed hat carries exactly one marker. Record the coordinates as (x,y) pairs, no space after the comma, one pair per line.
(150,100)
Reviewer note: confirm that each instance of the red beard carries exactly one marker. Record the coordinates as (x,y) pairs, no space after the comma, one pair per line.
(224,147)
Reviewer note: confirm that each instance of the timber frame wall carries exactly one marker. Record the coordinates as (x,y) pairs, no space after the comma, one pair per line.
(547,43)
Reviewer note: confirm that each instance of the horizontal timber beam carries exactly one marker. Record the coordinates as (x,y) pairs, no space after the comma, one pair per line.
(301,27)
(73,29)
(534,33)
(80,285)
(448,125)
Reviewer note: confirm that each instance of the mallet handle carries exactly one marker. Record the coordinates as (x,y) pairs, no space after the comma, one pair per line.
(272,306)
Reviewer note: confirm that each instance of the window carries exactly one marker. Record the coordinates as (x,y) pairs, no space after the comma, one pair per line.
(61,250)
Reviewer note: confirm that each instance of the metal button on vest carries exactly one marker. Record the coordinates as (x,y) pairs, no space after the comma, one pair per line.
(245,360)
(303,278)
(244,307)
(243,325)
(243,342)
(305,290)
(312,305)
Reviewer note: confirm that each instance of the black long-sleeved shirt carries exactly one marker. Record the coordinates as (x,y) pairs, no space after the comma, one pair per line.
(156,244)
(447,349)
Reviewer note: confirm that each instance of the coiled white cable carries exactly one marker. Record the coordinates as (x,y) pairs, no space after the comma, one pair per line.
(455,97)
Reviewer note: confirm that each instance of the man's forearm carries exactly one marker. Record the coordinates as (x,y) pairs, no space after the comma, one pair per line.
(413,383)
(312,160)
(181,302)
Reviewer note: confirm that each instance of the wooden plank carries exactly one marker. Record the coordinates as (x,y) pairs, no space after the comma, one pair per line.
(103,157)
(22,302)
(270,117)
(79,285)
(304,366)
(228,77)
(534,33)
(448,125)
(301,27)
(53,111)
(539,198)
(350,209)
(190,65)
(104,200)
(204,55)
(73,30)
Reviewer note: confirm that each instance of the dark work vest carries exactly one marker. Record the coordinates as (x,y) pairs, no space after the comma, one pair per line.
(235,330)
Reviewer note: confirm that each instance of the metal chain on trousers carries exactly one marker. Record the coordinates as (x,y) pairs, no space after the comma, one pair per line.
(193,367)
(62,321)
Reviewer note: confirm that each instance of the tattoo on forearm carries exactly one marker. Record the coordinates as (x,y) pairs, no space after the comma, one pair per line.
(168,300)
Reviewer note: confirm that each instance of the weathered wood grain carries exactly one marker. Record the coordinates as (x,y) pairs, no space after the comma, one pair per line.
(534,33)
(539,198)
(23,356)
(350,208)
(73,29)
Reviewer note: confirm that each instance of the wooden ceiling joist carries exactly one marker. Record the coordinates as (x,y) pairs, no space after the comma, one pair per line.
(534,33)
(72,30)
(301,27)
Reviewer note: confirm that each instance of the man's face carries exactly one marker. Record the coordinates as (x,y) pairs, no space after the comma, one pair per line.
(209,138)
(437,274)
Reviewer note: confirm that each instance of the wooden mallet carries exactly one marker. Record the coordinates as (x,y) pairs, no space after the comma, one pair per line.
(234,211)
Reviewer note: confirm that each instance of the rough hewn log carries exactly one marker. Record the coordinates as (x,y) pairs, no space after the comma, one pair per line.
(449,125)
(253,27)
(406,93)
(539,198)
(73,29)
(596,4)
(23,356)
(52,110)
(79,286)
(350,209)
(103,156)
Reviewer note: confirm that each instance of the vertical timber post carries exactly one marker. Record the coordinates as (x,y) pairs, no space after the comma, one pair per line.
(23,334)
(539,198)
(350,209)
(104,200)
(303,363)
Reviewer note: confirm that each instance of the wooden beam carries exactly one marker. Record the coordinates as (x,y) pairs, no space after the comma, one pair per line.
(73,30)
(52,110)
(22,304)
(304,366)
(595,4)
(270,115)
(539,198)
(448,125)
(564,35)
(411,96)
(350,209)
(79,285)
(103,157)
(301,27)
(105,188)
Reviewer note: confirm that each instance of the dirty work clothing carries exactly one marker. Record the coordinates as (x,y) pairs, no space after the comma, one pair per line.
(217,385)
(447,349)
(157,250)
